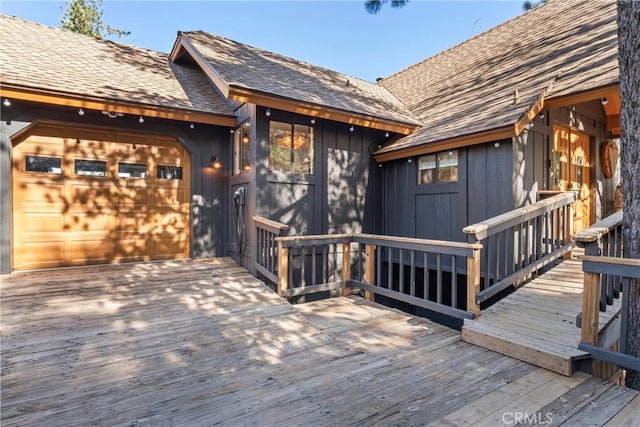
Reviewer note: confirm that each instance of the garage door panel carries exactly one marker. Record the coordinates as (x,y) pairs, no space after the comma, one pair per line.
(42,222)
(105,201)
(40,254)
(90,250)
(169,247)
(96,195)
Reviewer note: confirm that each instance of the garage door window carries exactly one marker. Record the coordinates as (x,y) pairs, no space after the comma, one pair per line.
(43,164)
(169,172)
(132,170)
(90,167)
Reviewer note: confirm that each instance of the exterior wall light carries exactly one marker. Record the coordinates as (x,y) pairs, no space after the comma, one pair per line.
(215,162)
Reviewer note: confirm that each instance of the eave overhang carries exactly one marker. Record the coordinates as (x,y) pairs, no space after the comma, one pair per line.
(51,97)
(612,110)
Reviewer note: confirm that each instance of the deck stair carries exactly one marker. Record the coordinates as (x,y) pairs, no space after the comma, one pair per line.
(537,323)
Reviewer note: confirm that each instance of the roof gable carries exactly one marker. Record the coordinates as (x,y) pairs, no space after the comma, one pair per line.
(256,71)
(42,58)
(556,49)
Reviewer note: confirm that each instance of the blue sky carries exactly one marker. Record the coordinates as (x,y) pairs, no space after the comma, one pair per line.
(339,35)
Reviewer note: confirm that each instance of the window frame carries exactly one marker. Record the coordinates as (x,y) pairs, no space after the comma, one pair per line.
(294,129)
(439,168)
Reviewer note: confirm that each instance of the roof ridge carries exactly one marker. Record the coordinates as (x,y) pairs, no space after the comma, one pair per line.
(469,40)
(299,61)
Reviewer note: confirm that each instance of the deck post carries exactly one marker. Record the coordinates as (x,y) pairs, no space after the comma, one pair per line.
(346,266)
(369,269)
(473,282)
(283,268)
(590,314)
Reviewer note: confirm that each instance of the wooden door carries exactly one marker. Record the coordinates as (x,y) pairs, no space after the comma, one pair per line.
(93,196)
(571,171)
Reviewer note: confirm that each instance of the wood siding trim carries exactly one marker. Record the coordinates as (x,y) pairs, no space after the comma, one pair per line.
(321,112)
(68,100)
(579,98)
(499,134)
(184,45)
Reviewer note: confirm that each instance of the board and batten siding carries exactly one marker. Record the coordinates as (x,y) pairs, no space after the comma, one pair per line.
(339,197)
(440,211)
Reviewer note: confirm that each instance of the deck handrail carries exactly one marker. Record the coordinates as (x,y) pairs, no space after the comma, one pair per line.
(519,242)
(267,249)
(594,267)
(420,272)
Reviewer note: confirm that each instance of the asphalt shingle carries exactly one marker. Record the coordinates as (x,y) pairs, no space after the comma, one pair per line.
(42,57)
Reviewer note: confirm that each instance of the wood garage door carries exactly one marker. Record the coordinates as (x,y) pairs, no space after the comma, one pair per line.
(90,196)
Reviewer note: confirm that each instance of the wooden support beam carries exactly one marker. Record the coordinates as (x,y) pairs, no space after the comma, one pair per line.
(369,269)
(283,268)
(346,266)
(590,314)
(473,282)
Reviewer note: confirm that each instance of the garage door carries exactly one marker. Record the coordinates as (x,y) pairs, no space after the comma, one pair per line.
(90,196)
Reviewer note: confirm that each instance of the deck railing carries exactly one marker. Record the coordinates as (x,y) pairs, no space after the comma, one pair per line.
(424,273)
(594,268)
(267,248)
(604,239)
(520,242)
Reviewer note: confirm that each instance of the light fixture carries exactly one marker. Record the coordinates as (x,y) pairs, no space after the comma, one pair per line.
(351,129)
(6,102)
(268,113)
(541,115)
(604,101)
(141,119)
(245,138)
(112,114)
(313,121)
(80,112)
(451,152)
(386,134)
(496,144)
(531,125)
(409,160)
(215,162)
(232,131)
(192,126)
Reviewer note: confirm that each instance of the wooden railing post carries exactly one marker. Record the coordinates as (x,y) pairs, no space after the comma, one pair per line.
(590,314)
(473,282)
(346,266)
(283,268)
(369,269)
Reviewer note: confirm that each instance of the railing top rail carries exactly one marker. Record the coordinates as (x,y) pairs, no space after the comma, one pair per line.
(410,243)
(270,225)
(491,226)
(599,229)
(625,267)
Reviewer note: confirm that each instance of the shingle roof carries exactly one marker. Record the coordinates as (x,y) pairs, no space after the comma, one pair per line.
(42,57)
(254,69)
(565,46)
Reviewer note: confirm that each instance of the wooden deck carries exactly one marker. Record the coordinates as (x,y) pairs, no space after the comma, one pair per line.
(195,343)
(537,323)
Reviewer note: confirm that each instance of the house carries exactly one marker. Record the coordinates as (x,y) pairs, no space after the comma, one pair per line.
(113,153)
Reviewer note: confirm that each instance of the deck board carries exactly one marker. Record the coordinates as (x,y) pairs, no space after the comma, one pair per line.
(203,343)
(536,323)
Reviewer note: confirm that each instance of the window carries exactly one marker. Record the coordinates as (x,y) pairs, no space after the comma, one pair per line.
(132,170)
(169,172)
(43,164)
(241,143)
(90,167)
(440,167)
(290,148)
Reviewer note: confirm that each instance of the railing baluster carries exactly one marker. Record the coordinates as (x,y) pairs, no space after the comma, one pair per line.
(389,269)
(454,282)
(426,275)
(412,278)
(401,267)
(439,278)
(313,265)
(379,266)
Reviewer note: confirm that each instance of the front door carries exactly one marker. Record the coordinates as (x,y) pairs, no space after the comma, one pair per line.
(571,163)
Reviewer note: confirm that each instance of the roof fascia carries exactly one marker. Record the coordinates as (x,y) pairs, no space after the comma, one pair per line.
(69,100)
(318,111)
(183,45)
(585,96)
(498,134)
